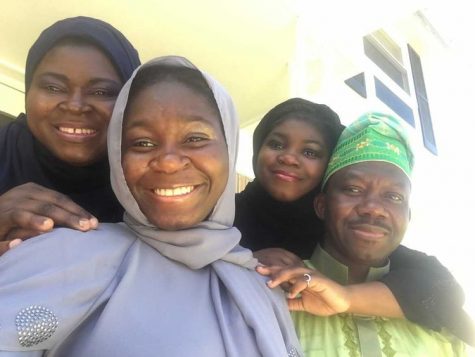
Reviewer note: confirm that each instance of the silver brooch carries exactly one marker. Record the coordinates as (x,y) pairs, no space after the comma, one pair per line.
(292,352)
(35,324)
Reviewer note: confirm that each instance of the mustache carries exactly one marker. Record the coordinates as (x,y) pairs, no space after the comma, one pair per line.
(371,222)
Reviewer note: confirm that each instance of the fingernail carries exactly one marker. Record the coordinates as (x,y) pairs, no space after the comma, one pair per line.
(14,243)
(83,223)
(94,222)
(46,222)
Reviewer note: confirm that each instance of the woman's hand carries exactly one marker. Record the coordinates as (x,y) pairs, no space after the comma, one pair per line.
(30,209)
(322,296)
(277,257)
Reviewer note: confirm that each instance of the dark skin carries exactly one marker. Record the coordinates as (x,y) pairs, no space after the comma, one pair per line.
(366,212)
(30,209)
(68,105)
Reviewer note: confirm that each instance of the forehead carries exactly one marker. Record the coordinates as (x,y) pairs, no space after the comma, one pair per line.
(173,99)
(374,172)
(65,55)
(294,127)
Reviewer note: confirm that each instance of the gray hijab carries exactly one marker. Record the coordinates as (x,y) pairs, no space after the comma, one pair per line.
(209,240)
(253,319)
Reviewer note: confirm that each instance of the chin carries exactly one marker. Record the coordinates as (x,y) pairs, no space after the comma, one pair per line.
(284,197)
(173,224)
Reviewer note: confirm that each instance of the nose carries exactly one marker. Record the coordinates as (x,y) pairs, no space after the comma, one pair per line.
(75,103)
(169,162)
(288,158)
(373,206)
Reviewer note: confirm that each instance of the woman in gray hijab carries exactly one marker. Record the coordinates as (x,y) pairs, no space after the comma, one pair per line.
(170,281)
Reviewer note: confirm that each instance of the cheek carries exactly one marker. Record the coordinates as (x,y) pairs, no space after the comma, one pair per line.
(315,171)
(105,109)
(36,106)
(264,158)
(218,172)
(132,168)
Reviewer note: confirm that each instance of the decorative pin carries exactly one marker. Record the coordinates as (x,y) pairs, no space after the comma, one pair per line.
(35,324)
(292,352)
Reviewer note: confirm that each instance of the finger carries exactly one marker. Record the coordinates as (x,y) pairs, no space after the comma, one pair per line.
(22,234)
(39,193)
(44,216)
(297,287)
(295,304)
(4,246)
(264,269)
(7,245)
(290,274)
(27,220)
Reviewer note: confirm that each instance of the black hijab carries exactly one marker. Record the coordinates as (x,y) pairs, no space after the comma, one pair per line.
(24,159)
(265,222)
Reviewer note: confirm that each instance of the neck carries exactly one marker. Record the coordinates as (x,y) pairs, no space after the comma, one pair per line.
(357,273)
(357,269)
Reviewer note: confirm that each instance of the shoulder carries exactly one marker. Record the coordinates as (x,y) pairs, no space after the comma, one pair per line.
(61,277)
(14,128)
(68,247)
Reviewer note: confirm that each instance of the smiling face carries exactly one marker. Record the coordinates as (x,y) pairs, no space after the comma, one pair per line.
(292,160)
(70,102)
(174,155)
(366,212)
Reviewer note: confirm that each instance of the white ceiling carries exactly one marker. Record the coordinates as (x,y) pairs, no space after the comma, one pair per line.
(249,45)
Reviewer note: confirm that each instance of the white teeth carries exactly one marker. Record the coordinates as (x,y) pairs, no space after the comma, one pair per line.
(77,131)
(170,192)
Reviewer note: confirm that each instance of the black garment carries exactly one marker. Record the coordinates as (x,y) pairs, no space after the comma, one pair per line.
(24,159)
(108,39)
(266,223)
(426,291)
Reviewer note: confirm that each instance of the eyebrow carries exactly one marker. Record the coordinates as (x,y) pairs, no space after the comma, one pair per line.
(309,141)
(189,119)
(361,176)
(64,78)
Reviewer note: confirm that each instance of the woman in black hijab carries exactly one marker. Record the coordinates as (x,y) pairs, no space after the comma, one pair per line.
(275,214)
(266,222)
(53,162)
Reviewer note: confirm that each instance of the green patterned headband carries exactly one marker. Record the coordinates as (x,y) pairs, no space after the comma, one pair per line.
(372,137)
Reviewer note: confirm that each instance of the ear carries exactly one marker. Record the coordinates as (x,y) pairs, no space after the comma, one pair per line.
(410,214)
(319,205)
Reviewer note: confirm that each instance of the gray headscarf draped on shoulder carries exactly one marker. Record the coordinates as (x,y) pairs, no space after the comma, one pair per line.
(253,319)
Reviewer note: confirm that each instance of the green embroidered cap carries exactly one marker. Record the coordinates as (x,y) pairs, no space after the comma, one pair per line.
(372,137)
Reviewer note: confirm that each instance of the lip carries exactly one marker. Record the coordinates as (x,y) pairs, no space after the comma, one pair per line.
(285,176)
(369,232)
(176,194)
(76,133)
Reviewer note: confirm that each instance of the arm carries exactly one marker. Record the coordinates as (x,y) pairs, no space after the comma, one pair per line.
(428,293)
(326,297)
(30,209)
(277,256)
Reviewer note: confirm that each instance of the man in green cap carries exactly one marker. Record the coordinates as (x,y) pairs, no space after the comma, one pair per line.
(365,206)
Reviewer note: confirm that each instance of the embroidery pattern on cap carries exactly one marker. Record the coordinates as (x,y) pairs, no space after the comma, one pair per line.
(35,324)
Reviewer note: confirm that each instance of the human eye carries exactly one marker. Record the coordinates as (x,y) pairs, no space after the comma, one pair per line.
(104,92)
(143,143)
(275,144)
(196,140)
(312,153)
(53,88)
(352,190)
(395,197)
